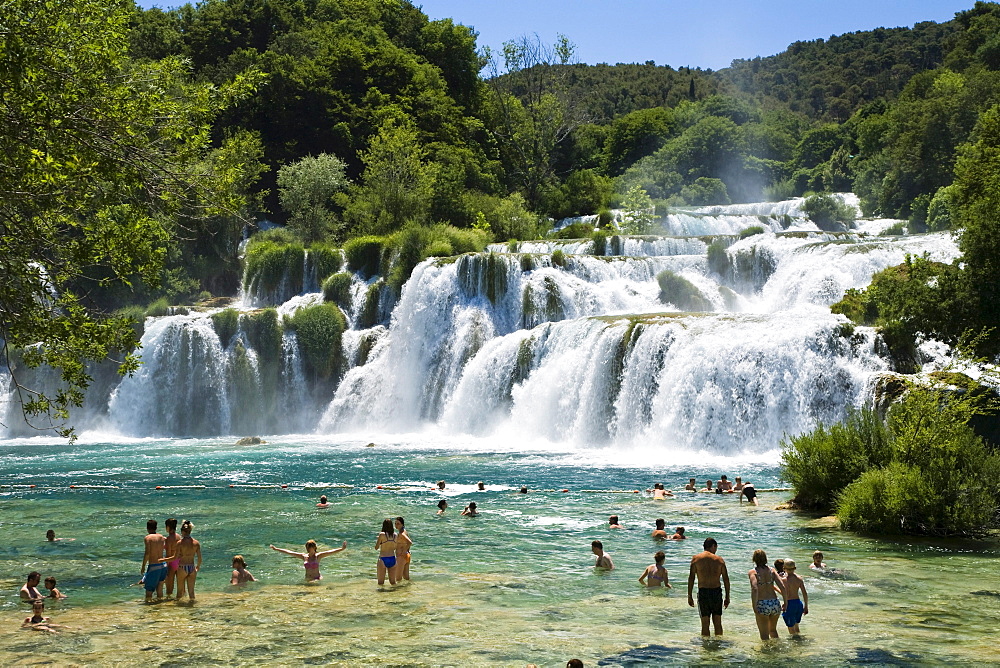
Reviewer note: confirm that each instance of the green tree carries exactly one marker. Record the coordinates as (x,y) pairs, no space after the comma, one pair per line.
(100,155)
(639,213)
(398,181)
(306,189)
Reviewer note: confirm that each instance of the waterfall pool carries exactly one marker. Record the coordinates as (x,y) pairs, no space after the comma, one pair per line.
(515,585)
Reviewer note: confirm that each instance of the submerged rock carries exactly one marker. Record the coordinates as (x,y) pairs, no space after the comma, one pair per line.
(251,440)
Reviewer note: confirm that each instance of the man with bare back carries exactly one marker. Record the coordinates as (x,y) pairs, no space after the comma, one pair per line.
(157,571)
(709,568)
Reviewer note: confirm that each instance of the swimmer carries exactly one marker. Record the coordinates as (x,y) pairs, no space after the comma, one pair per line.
(739,484)
(709,568)
(678,534)
(749,492)
(656,573)
(574,663)
(187,571)
(386,546)
(322,502)
(794,608)
(50,584)
(310,558)
(29,592)
(442,506)
(523,490)
(440,485)
(613,523)
(817,564)
(470,510)
(170,545)
(660,532)
(480,486)
(50,536)
(725,485)
(403,543)
(692,486)
(240,573)
(709,487)
(603,558)
(659,492)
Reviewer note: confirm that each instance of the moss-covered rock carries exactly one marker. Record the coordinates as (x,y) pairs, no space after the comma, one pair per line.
(681,292)
(270,265)
(337,289)
(226,324)
(319,330)
(364,255)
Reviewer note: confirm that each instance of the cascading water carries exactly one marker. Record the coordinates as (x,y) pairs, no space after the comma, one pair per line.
(524,342)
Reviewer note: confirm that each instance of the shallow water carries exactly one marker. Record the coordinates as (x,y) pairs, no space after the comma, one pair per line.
(513,586)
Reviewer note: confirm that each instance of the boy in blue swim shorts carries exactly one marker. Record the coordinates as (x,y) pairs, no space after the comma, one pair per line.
(794,607)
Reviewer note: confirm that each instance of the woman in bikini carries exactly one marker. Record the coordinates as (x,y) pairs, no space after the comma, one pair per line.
(310,558)
(386,546)
(403,544)
(655,575)
(764,582)
(187,550)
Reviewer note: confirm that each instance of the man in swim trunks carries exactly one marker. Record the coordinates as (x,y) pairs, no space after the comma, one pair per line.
(153,556)
(794,608)
(709,568)
(29,592)
(749,492)
(709,487)
(660,532)
(739,484)
(692,486)
(725,485)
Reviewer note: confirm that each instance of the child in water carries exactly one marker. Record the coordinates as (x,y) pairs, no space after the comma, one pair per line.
(240,573)
(50,584)
(38,621)
(310,558)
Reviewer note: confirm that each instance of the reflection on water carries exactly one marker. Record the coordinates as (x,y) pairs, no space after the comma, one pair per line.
(513,586)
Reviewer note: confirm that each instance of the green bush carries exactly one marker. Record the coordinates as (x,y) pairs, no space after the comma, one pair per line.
(718,260)
(268,263)
(578,230)
(369,316)
(821,463)
(558,258)
(600,239)
(282,236)
(135,315)
(681,292)
(364,255)
(326,259)
(158,308)
(751,231)
(226,324)
(264,332)
(828,212)
(319,330)
(894,230)
(337,289)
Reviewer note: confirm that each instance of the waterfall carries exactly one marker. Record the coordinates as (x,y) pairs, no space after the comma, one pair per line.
(569,340)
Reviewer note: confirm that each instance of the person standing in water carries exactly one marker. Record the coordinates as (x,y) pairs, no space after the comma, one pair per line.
(660,532)
(709,568)
(171,548)
(156,572)
(678,534)
(613,523)
(749,492)
(603,558)
(386,546)
(188,549)
(310,558)
(692,486)
(655,574)
(323,502)
(442,506)
(764,582)
(403,544)
(470,510)
(794,607)
(29,591)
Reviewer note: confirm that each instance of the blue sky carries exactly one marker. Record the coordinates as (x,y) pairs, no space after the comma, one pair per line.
(699,33)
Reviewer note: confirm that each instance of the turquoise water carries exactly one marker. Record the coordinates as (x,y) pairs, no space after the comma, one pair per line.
(513,586)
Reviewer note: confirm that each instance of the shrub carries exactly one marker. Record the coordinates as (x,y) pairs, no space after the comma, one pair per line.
(280,235)
(135,315)
(894,230)
(269,263)
(319,330)
(821,463)
(327,260)
(600,239)
(439,248)
(158,308)
(337,289)
(718,260)
(751,231)
(681,292)
(579,230)
(828,212)
(558,258)
(264,332)
(226,324)
(364,255)
(369,316)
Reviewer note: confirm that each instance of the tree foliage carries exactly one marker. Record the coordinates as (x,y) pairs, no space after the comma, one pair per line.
(101,155)
(306,189)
